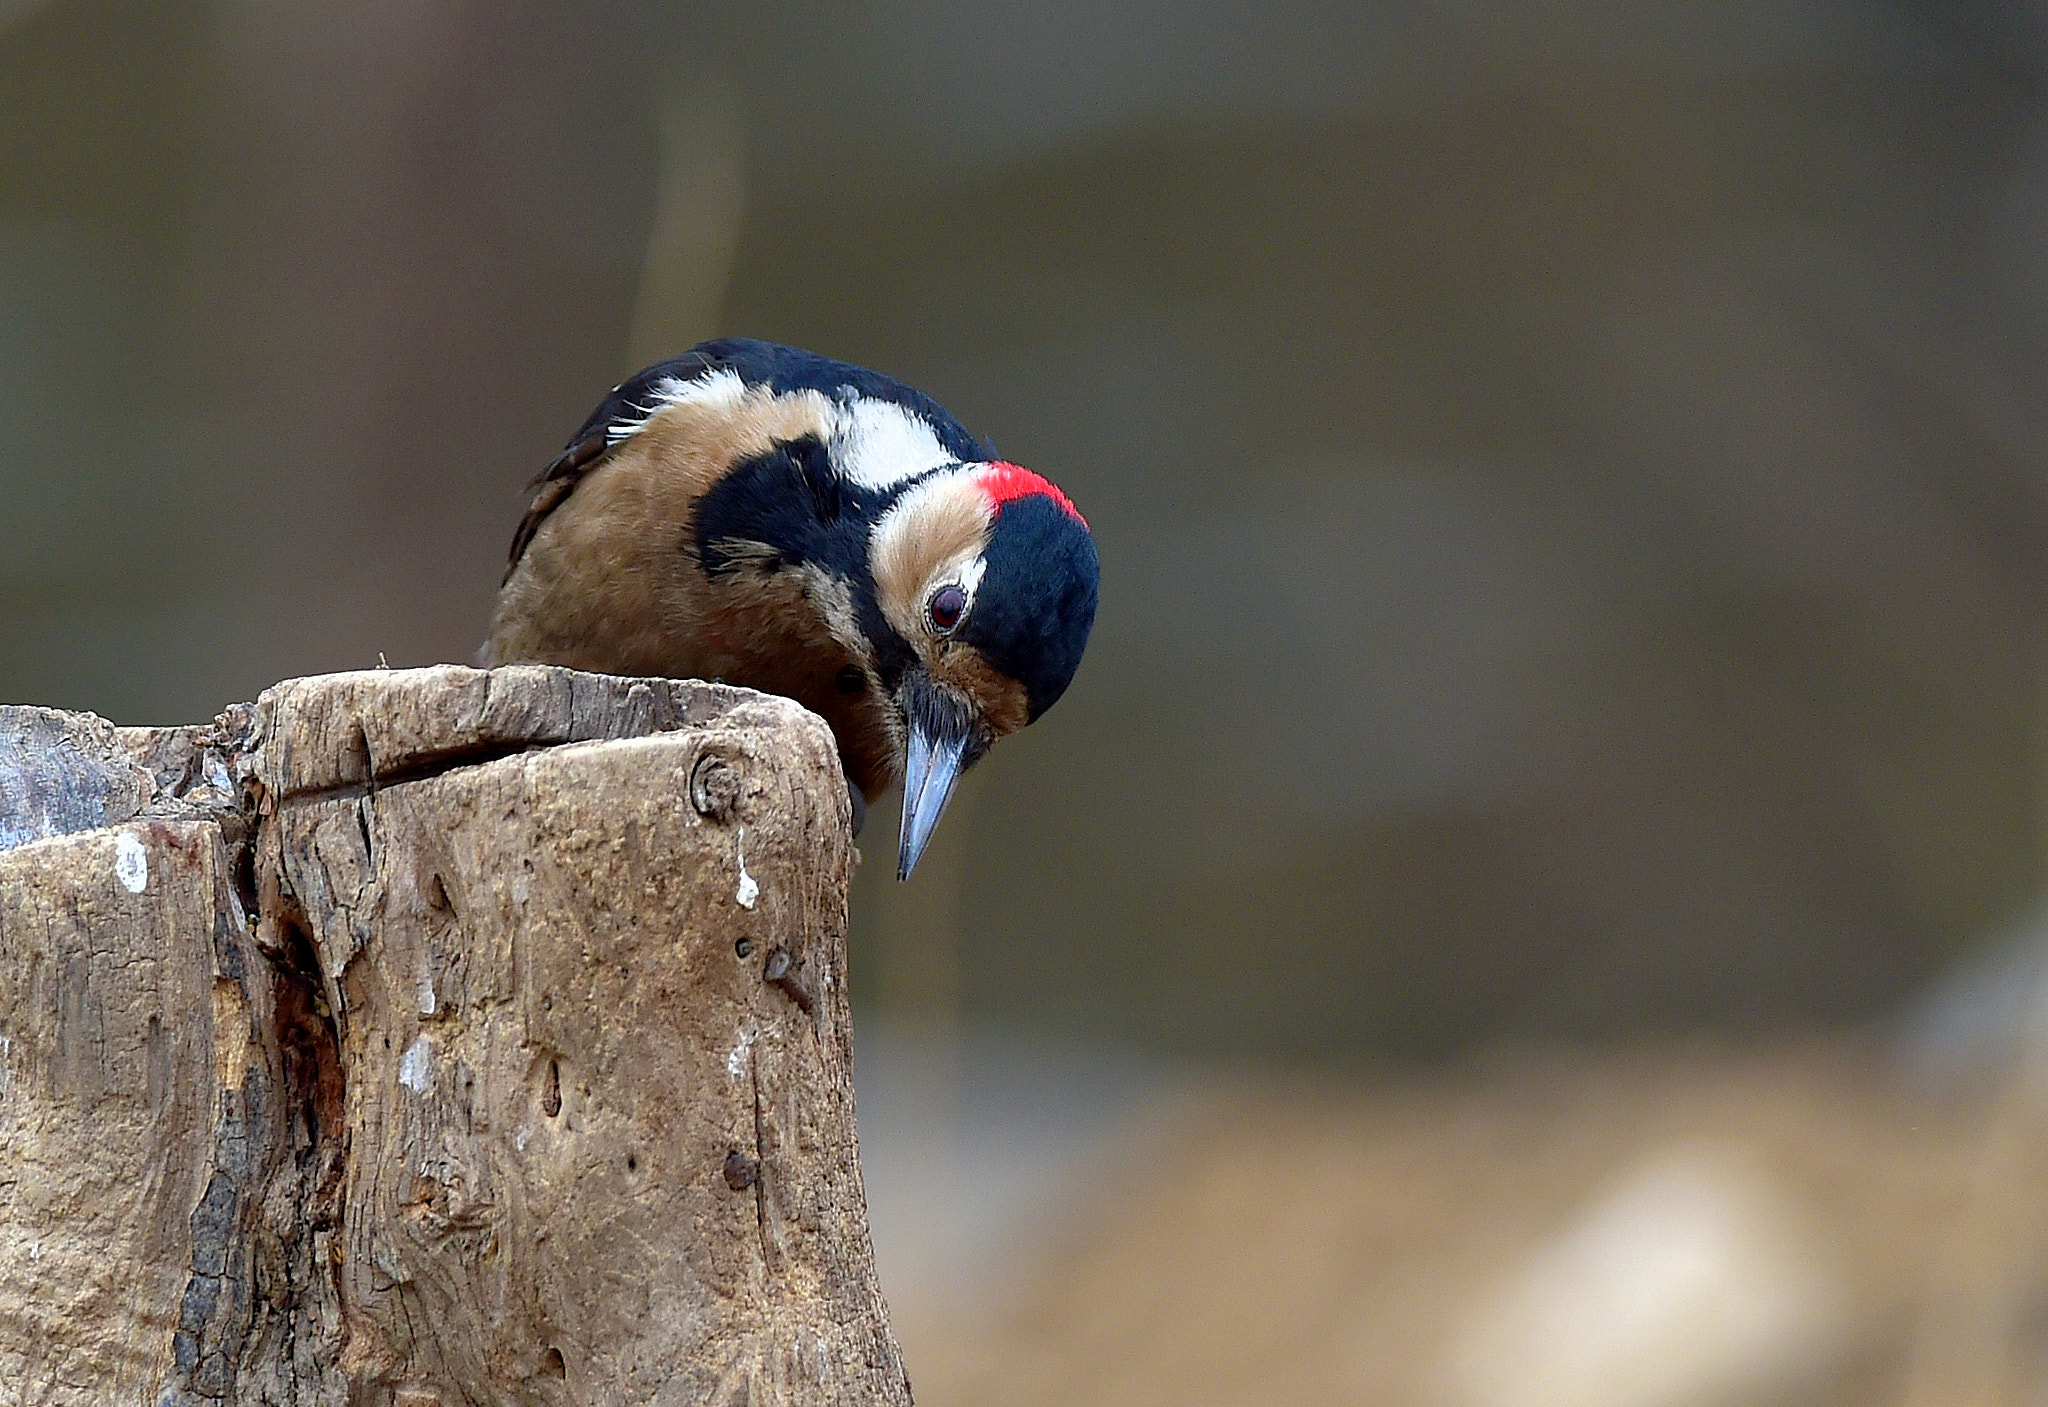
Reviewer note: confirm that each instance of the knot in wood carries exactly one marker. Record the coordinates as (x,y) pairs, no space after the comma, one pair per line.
(714,787)
(741,1172)
(780,971)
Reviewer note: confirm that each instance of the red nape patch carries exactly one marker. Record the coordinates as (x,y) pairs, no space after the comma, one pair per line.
(1003,482)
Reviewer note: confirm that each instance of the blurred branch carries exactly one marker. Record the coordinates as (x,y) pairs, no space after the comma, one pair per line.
(1971,1344)
(13,12)
(699,201)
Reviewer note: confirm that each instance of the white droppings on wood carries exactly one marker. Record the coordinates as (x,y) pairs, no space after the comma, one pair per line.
(749,890)
(416,1070)
(424,984)
(131,862)
(736,1058)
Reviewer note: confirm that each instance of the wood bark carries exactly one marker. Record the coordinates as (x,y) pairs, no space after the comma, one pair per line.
(432,1036)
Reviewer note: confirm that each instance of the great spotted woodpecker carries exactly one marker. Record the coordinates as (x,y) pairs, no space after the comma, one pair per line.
(769,517)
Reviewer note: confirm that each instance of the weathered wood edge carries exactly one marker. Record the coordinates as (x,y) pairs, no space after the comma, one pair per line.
(63,772)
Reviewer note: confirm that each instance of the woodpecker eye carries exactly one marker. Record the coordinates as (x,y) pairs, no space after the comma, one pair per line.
(946,607)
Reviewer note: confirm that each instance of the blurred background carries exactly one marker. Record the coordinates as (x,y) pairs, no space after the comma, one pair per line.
(1534,898)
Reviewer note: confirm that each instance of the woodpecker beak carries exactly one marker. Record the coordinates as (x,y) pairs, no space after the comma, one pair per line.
(940,728)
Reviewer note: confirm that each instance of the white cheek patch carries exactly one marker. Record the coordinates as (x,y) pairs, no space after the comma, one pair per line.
(719,388)
(879,444)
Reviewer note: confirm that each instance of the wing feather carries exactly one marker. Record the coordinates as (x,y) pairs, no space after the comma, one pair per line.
(588,447)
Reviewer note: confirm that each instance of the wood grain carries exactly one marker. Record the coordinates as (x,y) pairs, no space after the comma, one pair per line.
(472,1037)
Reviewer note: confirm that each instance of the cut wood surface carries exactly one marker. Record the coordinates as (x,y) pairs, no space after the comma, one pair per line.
(432,1036)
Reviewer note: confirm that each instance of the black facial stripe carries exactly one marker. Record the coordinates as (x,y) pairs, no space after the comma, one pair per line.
(1036,601)
(826,489)
(893,654)
(781,369)
(790,501)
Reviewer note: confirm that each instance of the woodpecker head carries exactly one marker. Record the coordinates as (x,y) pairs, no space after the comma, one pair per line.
(795,524)
(987,575)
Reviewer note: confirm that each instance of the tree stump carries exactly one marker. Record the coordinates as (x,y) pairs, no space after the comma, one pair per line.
(432,1036)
